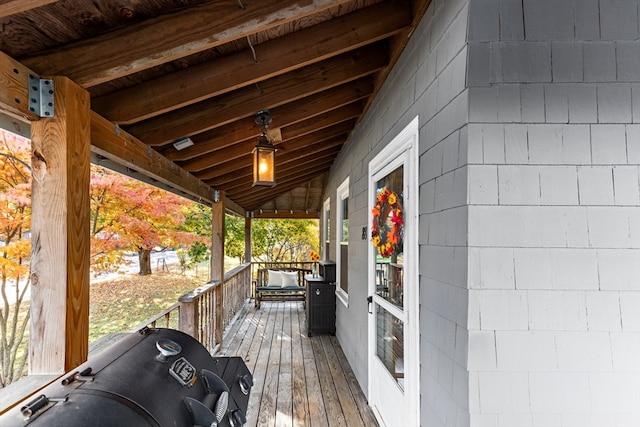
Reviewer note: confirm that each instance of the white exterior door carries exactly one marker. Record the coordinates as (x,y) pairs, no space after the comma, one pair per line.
(393,282)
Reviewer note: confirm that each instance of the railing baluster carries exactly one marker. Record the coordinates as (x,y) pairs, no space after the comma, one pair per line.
(205,312)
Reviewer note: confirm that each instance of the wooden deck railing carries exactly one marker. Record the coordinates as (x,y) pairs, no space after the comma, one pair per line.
(205,312)
(202,313)
(167,318)
(279,265)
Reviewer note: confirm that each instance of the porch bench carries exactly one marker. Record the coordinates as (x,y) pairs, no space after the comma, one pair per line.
(280,284)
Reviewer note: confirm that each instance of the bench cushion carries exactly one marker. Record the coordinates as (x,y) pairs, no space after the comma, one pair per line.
(274,278)
(289,278)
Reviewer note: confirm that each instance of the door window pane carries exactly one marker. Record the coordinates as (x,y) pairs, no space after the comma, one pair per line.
(388,237)
(390,343)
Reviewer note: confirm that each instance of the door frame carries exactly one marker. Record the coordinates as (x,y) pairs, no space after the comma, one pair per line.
(404,144)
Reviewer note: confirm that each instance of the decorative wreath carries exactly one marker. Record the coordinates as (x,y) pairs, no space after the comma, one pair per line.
(387,224)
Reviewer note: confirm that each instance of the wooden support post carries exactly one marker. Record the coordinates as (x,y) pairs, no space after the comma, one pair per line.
(217,239)
(217,262)
(218,294)
(248,253)
(247,239)
(59,331)
(189,320)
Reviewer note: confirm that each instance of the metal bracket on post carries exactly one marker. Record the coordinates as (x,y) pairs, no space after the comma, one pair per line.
(41,96)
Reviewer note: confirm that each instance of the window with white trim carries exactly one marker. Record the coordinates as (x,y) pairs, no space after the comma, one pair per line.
(326,229)
(342,242)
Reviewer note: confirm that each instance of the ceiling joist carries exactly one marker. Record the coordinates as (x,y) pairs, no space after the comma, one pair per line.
(167,38)
(162,70)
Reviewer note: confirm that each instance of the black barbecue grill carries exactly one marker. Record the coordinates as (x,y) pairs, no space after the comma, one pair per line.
(157,377)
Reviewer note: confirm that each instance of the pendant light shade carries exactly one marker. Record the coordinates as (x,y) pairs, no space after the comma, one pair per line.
(264,154)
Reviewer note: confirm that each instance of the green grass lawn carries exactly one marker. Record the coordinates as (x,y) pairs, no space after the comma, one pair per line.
(123,303)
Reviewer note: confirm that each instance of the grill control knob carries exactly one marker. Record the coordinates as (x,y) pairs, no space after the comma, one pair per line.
(167,348)
(246,382)
(237,419)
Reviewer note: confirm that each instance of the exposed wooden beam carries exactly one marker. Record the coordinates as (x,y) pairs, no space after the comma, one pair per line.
(268,194)
(295,149)
(285,115)
(239,187)
(117,145)
(321,121)
(169,37)
(274,92)
(232,177)
(285,214)
(311,151)
(319,165)
(225,156)
(11,7)
(334,126)
(229,174)
(14,88)
(107,140)
(277,56)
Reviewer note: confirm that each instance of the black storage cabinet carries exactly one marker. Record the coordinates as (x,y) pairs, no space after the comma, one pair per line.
(321,300)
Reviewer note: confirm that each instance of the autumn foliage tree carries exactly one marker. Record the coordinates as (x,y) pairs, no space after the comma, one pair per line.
(128,215)
(15,249)
(283,240)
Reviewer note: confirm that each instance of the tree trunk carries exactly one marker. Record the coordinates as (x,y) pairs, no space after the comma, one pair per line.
(144,258)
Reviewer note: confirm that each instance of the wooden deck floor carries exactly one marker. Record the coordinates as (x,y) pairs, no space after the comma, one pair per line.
(298,381)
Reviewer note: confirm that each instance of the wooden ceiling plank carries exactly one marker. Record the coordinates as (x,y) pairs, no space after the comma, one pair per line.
(333,127)
(285,115)
(243,177)
(329,118)
(296,149)
(239,177)
(214,139)
(220,157)
(327,152)
(229,174)
(169,37)
(306,214)
(310,150)
(258,198)
(12,7)
(265,196)
(274,92)
(276,57)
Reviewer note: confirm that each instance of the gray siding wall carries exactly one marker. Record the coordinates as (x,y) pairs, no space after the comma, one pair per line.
(554,217)
(529,211)
(429,82)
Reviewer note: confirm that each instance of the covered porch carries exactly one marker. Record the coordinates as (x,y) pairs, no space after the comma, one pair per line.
(75,118)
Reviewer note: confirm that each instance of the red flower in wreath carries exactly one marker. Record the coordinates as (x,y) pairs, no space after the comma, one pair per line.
(387,224)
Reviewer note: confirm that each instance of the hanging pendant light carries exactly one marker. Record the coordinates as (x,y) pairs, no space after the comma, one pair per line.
(264,154)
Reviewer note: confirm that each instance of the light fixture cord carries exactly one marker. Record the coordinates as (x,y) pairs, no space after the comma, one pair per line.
(253,51)
(241,5)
